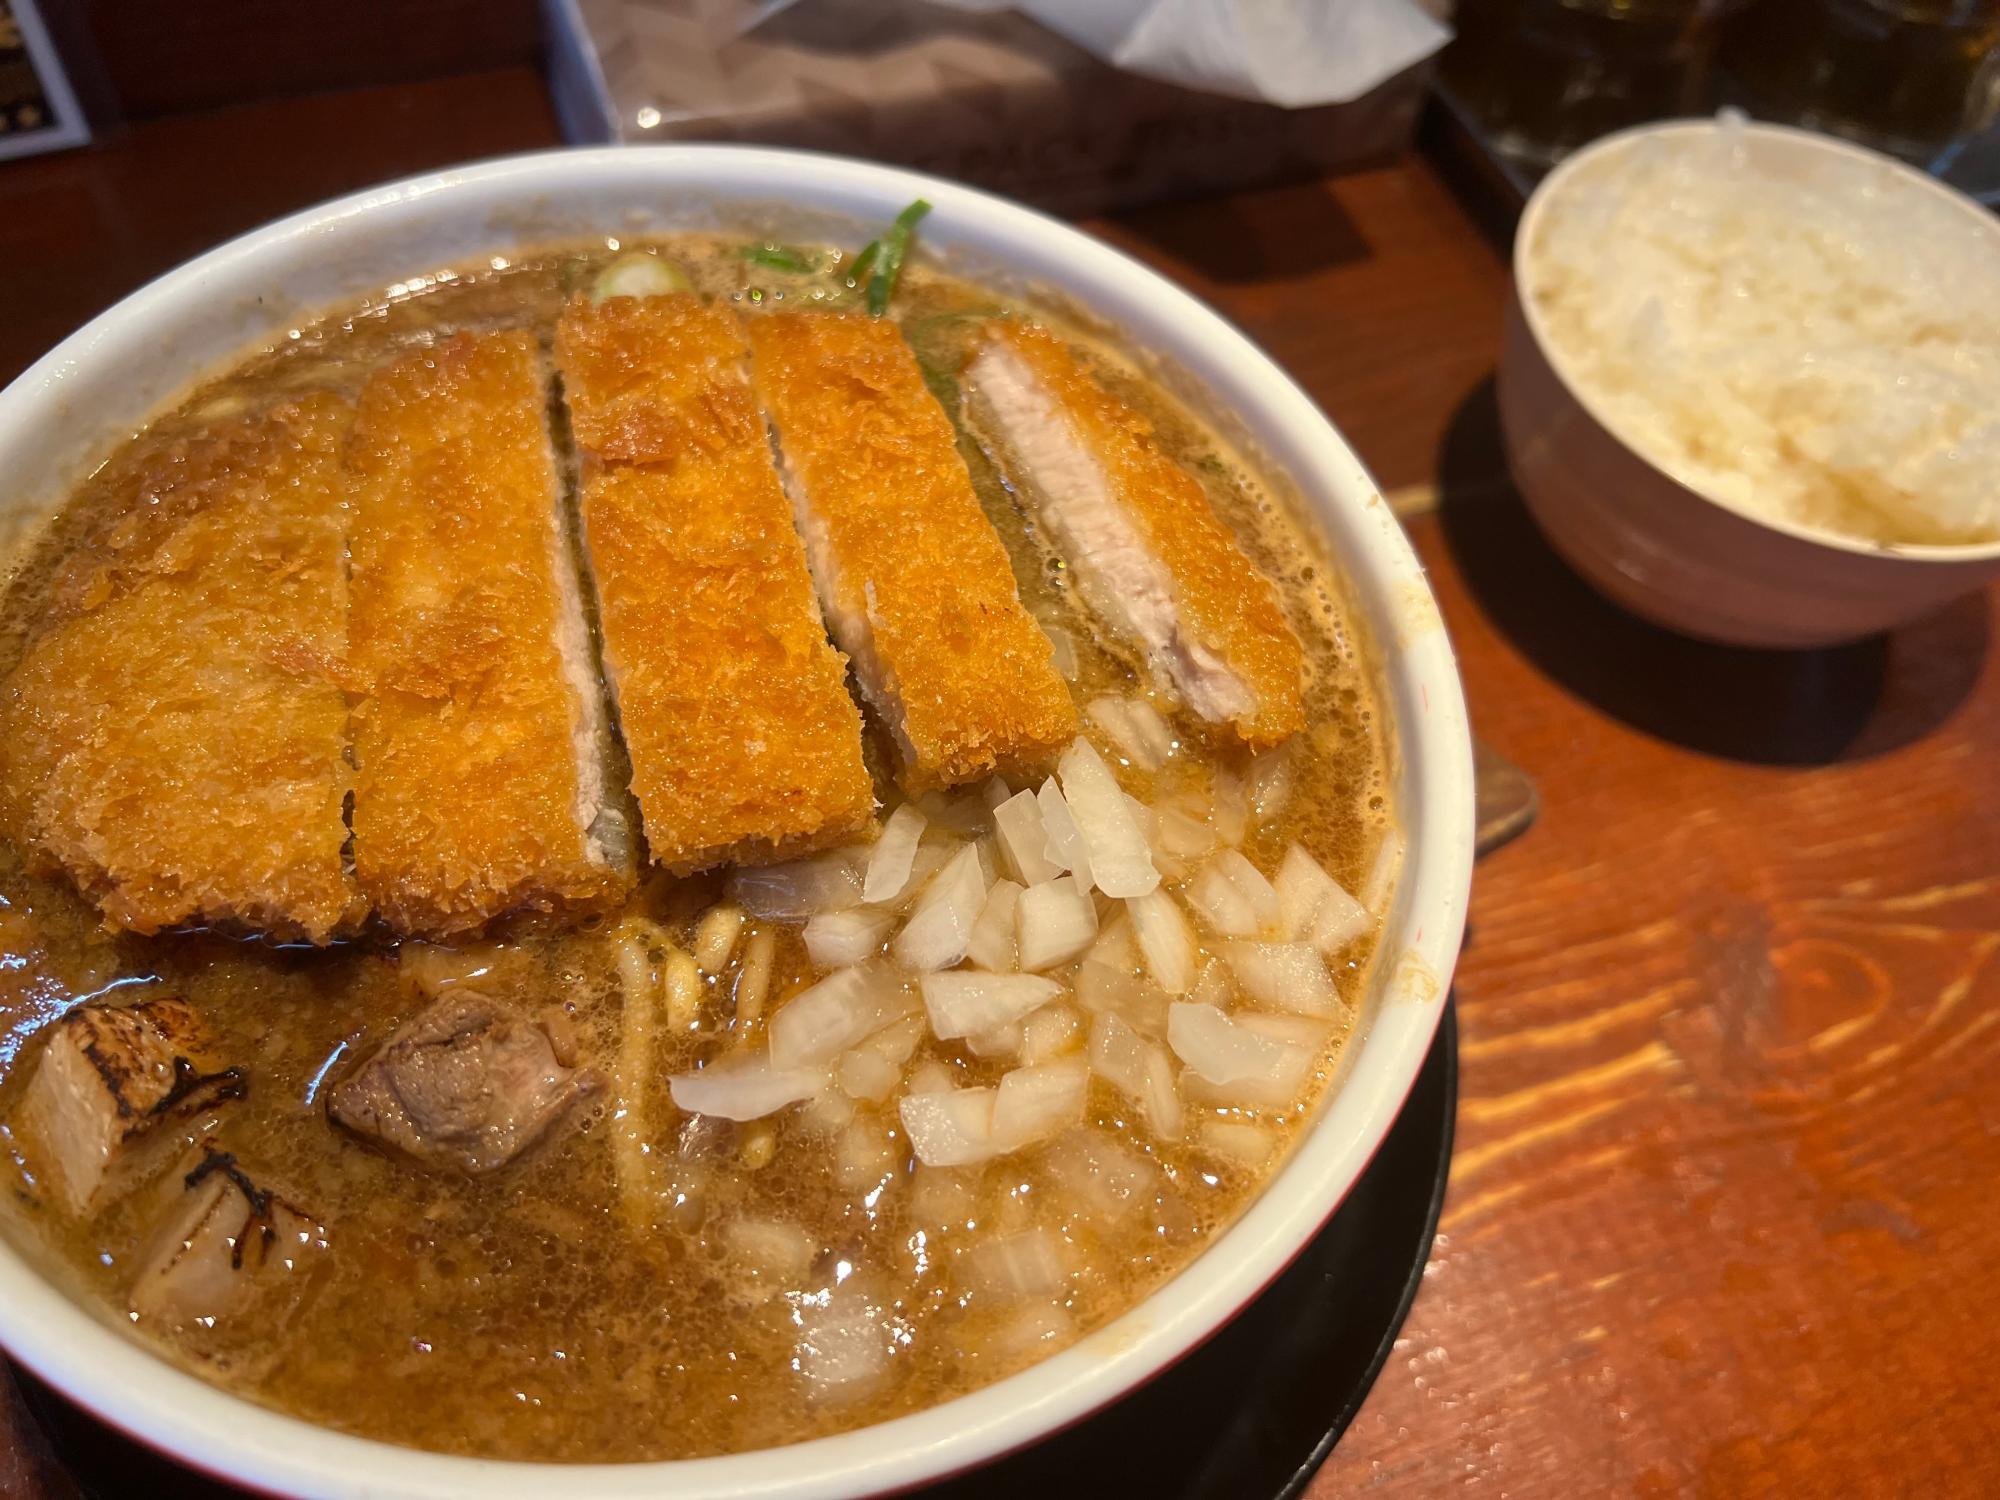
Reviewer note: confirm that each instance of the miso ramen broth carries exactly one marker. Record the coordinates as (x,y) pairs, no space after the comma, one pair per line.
(643,1281)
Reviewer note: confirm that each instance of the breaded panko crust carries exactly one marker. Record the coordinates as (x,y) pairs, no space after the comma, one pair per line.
(174,732)
(467,795)
(744,743)
(1224,601)
(876,462)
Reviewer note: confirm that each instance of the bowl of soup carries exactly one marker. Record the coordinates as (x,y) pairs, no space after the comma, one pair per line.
(744,822)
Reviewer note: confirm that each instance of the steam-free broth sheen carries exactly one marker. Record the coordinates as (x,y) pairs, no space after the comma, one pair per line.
(648,1283)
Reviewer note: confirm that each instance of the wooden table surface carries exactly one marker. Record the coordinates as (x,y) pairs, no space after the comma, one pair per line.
(1723,1203)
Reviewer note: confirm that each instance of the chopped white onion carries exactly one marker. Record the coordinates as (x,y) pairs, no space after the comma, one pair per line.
(963,813)
(844,1343)
(1117,1054)
(1375,890)
(1225,899)
(796,889)
(827,1113)
(1300,1031)
(866,1074)
(1269,785)
(1154,730)
(1215,897)
(1121,864)
(1027,1264)
(931,857)
(770,1247)
(1063,846)
(1250,881)
(1240,1141)
(863,1155)
(989,868)
(1062,651)
(1239,1061)
(1161,1100)
(1229,807)
(1214,987)
(1182,835)
(945,1198)
(1144,816)
(1102,1174)
(1001,1042)
(838,939)
(1017,823)
(934,1076)
(1233,897)
(966,1001)
(1312,906)
(1290,976)
(1033,1104)
(1053,923)
(992,943)
(949,1128)
(1165,939)
(1179,838)
(899,1040)
(940,929)
(1049,1033)
(1100,987)
(827,1018)
(889,861)
(744,1089)
(1171,866)
(1139,1068)
(1116,945)
(1114,717)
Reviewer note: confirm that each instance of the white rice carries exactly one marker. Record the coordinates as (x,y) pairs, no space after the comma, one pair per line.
(1822,349)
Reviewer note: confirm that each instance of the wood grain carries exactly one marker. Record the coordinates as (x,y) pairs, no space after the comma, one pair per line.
(1373,290)
(1720,1212)
(1722,1206)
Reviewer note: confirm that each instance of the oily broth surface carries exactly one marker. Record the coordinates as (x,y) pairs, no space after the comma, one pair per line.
(530,1314)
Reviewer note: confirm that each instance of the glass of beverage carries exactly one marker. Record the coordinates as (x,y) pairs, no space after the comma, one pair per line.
(1916,78)
(1545,76)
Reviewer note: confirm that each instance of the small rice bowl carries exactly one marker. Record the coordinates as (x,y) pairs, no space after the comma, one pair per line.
(1817,345)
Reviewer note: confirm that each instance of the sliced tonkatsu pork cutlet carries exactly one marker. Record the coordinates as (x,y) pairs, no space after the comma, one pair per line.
(915,581)
(1152,560)
(734,707)
(480,734)
(108,1076)
(173,734)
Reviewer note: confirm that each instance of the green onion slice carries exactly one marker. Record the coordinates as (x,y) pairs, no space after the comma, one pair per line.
(782,258)
(886,264)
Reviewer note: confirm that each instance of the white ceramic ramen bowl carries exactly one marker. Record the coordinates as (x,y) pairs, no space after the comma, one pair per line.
(1670,552)
(106,379)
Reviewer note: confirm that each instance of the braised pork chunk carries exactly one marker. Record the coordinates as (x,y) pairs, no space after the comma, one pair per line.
(466,1084)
